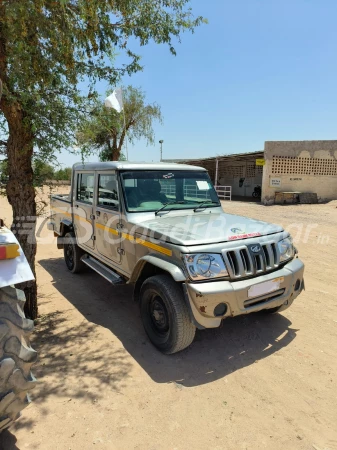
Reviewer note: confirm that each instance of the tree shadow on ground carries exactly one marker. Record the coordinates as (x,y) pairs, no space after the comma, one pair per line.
(73,361)
(215,353)
(67,349)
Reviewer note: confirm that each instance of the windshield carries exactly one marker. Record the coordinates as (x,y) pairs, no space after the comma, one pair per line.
(151,189)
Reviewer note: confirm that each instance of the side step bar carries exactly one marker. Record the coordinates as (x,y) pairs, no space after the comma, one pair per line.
(103,270)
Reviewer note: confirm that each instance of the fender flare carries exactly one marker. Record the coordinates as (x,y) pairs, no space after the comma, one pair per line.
(64,225)
(175,271)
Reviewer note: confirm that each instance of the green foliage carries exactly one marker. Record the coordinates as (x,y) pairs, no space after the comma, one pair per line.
(44,172)
(3,137)
(3,167)
(105,155)
(105,130)
(63,174)
(48,47)
(3,172)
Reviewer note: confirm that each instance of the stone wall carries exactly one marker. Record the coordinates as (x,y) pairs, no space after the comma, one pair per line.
(300,166)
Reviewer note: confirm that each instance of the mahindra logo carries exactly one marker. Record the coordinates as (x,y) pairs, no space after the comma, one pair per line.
(255,248)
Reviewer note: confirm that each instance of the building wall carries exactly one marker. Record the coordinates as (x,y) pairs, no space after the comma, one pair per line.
(300,166)
(242,175)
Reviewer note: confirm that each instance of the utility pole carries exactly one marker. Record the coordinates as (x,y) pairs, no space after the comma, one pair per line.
(161,149)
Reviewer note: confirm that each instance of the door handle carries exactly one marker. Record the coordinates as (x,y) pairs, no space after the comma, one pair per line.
(92,216)
(98,213)
(76,206)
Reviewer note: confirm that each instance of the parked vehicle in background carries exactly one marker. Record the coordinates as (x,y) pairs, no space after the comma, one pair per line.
(257,192)
(161,227)
(17,356)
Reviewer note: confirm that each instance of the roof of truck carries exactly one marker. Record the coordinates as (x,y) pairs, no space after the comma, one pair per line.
(127,165)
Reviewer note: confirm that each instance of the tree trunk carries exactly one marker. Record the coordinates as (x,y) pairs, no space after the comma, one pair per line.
(20,187)
(21,193)
(121,142)
(115,152)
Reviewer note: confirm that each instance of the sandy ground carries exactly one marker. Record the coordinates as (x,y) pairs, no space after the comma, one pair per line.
(258,382)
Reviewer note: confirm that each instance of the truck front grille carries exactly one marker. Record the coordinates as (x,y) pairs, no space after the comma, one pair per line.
(242,263)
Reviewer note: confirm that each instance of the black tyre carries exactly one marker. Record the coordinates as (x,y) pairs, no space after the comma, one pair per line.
(165,315)
(72,253)
(16,357)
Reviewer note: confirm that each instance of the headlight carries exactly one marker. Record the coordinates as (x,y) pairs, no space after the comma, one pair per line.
(205,265)
(286,249)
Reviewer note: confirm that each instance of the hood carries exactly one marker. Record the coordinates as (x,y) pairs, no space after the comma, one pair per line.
(205,228)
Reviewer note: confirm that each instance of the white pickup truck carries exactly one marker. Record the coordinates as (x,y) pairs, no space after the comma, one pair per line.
(161,227)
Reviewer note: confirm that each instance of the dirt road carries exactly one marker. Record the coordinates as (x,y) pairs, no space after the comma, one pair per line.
(258,382)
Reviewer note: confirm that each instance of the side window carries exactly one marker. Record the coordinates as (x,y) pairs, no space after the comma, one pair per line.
(108,191)
(85,187)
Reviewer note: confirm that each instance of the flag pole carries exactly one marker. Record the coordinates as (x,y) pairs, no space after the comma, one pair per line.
(126,135)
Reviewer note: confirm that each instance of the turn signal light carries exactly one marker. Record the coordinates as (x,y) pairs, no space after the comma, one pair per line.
(9,251)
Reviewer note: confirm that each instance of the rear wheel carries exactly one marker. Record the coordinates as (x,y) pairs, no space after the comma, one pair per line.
(165,315)
(16,357)
(72,253)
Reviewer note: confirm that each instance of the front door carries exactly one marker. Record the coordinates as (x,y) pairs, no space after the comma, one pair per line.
(83,209)
(107,217)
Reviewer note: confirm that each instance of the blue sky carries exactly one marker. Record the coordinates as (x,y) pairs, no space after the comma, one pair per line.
(260,70)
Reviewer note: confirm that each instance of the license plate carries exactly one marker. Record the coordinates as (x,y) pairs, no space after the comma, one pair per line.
(265,288)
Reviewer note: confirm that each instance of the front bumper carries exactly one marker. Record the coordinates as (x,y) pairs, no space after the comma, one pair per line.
(204,297)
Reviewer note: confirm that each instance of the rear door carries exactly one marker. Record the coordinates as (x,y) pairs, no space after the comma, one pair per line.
(107,216)
(83,209)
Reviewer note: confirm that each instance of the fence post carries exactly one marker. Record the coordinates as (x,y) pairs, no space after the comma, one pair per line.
(224,192)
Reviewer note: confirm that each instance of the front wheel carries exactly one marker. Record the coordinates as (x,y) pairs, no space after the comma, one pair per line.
(165,315)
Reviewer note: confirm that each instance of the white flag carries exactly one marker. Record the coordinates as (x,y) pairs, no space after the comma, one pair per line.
(115,100)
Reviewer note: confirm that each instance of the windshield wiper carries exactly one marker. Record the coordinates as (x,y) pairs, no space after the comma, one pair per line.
(180,202)
(205,203)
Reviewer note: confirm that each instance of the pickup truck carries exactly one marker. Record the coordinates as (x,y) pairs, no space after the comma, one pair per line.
(161,227)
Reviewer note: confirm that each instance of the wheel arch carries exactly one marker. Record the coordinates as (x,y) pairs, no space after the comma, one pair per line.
(151,265)
(66,226)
